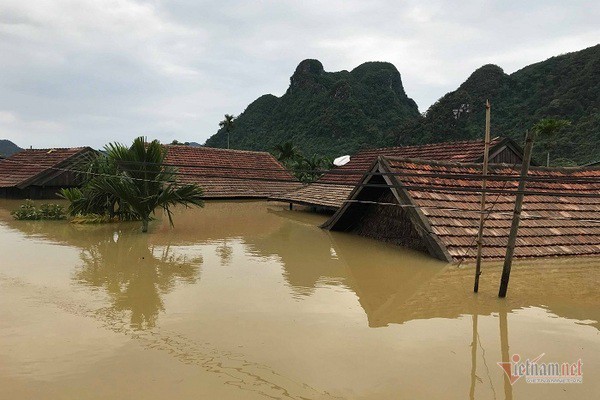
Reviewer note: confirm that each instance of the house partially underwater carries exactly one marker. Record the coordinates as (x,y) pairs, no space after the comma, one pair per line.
(41,173)
(434,207)
(330,191)
(231,174)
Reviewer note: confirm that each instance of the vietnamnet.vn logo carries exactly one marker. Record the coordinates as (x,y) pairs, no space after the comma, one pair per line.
(535,371)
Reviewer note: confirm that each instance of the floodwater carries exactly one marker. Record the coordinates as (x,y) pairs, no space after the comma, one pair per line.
(247,300)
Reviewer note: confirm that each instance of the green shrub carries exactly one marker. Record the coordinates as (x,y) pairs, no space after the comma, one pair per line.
(28,211)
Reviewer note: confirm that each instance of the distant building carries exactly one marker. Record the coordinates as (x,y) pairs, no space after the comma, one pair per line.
(434,207)
(40,173)
(231,174)
(330,191)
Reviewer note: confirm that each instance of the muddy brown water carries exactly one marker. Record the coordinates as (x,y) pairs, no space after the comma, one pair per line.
(247,300)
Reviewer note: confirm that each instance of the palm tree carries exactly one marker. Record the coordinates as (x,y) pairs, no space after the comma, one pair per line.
(228,124)
(309,169)
(139,184)
(286,152)
(90,204)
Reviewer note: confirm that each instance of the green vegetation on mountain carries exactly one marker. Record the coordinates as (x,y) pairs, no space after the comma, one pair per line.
(325,113)
(8,148)
(562,87)
(335,113)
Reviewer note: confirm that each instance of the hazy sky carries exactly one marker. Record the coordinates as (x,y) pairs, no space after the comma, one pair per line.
(86,72)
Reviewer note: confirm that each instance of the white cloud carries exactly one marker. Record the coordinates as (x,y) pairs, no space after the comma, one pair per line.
(94,71)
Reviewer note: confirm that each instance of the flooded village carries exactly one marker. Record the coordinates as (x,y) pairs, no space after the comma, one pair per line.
(348,234)
(249,297)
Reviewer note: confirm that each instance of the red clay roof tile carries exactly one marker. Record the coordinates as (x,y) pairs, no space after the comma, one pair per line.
(334,187)
(24,166)
(224,173)
(550,226)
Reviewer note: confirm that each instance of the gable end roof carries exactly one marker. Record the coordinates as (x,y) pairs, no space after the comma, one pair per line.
(38,166)
(561,212)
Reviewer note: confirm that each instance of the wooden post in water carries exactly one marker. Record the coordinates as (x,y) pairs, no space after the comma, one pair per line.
(514,229)
(486,154)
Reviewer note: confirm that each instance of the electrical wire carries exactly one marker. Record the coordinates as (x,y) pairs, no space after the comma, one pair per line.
(361,173)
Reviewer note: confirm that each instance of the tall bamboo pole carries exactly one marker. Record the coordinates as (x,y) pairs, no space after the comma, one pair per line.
(512,238)
(486,154)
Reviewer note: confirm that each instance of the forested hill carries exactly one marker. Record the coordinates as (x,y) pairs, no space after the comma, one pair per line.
(8,148)
(566,87)
(326,113)
(335,113)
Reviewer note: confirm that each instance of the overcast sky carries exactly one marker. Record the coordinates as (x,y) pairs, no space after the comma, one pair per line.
(86,72)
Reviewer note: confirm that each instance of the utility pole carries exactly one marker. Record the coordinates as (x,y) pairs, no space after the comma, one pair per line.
(512,238)
(486,154)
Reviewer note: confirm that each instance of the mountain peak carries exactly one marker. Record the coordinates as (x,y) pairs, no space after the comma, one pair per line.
(379,74)
(8,148)
(306,74)
(489,74)
(309,67)
(326,113)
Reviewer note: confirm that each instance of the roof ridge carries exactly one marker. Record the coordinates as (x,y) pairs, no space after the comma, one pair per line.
(56,148)
(218,149)
(470,141)
(492,165)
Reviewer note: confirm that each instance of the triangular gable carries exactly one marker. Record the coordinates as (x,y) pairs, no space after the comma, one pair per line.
(73,164)
(380,178)
(500,146)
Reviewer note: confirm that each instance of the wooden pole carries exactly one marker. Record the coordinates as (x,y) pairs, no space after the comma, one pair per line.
(486,154)
(514,229)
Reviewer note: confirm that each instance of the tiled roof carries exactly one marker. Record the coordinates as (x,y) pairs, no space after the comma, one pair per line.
(226,173)
(325,195)
(25,167)
(334,187)
(551,225)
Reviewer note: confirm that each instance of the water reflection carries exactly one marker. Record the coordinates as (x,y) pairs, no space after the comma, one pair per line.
(311,305)
(505,350)
(477,346)
(394,285)
(134,271)
(225,253)
(135,274)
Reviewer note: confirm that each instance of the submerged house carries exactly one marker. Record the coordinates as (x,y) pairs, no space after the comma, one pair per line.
(231,174)
(330,191)
(435,207)
(40,173)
